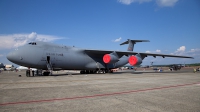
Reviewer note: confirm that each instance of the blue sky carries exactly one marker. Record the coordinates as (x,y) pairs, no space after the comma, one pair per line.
(172,26)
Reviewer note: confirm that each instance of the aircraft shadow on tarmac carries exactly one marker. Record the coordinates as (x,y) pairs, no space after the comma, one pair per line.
(54,75)
(142,72)
(120,72)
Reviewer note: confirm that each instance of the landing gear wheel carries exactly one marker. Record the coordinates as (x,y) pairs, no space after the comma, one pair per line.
(46,73)
(82,72)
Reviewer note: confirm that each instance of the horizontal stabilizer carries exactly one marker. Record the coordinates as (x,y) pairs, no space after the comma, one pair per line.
(134,41)
(131,43)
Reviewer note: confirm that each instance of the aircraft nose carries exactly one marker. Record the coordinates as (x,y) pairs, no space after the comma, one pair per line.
(16,57)
(10,56)
(13,56)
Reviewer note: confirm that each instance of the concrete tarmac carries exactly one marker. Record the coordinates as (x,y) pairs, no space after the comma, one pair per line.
(122,91)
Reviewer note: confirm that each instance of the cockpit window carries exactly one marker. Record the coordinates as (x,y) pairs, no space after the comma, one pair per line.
(32,43)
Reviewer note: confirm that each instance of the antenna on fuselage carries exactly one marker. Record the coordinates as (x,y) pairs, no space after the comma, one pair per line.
(131,43)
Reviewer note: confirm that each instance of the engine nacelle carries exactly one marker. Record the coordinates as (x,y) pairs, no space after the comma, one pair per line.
(134,60)
(110,58)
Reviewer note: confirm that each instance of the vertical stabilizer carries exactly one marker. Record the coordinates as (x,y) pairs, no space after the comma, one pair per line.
(131,43)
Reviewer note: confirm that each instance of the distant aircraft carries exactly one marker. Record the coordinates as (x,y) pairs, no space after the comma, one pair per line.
(49,56)
(2,67)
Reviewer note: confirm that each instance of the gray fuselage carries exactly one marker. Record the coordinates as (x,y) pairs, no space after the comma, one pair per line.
(36,55)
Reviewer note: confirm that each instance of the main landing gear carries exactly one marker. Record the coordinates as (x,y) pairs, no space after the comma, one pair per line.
(46,73)
(103,71)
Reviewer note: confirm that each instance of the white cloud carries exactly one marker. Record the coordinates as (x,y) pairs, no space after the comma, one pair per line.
(166,3)
(195,53)
(117,40)
(195,50)
(1,55)
(16,40)
(148,51)
(180,50)
(128,2)
(160,3)
(158,51)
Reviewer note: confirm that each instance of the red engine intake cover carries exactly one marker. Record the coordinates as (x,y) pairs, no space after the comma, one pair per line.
(133,60)
(106,58)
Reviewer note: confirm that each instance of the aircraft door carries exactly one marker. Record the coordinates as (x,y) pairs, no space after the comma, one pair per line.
(51,60)
(48,59)
(50,63)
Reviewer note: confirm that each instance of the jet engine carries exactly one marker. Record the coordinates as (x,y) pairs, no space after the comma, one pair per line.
(134,60)
(110,58)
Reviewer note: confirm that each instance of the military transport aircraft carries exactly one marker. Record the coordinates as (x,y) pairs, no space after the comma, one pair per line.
(49,57)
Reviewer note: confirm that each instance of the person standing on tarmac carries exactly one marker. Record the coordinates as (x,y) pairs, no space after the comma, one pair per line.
(28,73)
(33,73)
(37,72)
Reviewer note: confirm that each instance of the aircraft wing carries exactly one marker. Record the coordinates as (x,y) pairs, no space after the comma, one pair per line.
(121,53)
(103,52)
(164,55)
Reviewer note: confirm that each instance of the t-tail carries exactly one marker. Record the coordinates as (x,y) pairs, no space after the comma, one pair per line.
(132,42)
